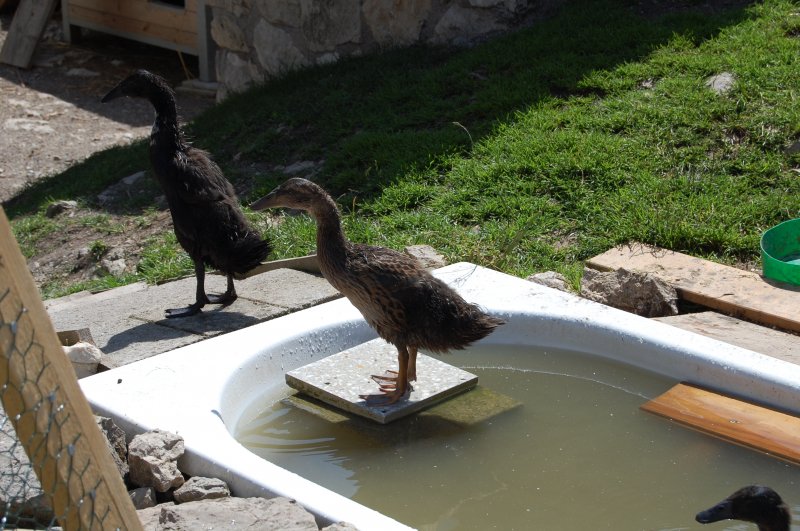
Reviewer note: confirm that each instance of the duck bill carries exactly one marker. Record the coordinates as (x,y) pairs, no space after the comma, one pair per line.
(267,201)
(721,511)
(113,94)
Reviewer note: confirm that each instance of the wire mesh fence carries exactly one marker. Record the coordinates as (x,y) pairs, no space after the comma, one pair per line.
(23,502)
(55,468)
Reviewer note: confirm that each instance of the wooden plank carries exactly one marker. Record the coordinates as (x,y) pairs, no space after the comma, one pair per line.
(730,290)
(25,31)
(730,419)
(307,263)
(50,414)
(132,28)
(744,334)
(152,12)
(110,5)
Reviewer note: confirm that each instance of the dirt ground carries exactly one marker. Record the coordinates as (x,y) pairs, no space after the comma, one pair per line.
(51,117)
(51,114)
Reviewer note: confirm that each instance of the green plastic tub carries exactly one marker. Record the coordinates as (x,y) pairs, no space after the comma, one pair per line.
(780,252)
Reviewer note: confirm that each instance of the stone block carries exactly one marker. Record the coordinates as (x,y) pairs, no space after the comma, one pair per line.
(226,32)
(340,379)
(329,23)
(275,49)
(275,514)
(396,22)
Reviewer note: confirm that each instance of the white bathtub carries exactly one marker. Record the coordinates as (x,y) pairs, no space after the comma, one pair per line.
(201,391)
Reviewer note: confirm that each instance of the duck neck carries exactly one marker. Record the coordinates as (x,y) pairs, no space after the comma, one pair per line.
(331,241)
(166,132)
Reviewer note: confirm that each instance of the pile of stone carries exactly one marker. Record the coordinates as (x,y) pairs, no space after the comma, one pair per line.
(164,497)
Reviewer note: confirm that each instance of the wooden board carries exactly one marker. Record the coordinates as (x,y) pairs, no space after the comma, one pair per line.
(146,30)
(757,338)
(307,263)
(730,419)
(730,290)
(25,31)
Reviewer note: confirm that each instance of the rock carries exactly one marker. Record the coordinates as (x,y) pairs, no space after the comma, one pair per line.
(153,460)
(114,267)
(793,148)
(275,514)
(200,488)
(721,83)
(302,166)
(426,255)
(284,12)
(640,293)
(120,188)
(24,124)
(327,58)
(57,207)
(396,22)
(329,23)
(82,72)
(226,32)
(275,49)
(235,73)
(551,279)
(143,497)
(340,526)
(459,24)
(85,358)
(117,445)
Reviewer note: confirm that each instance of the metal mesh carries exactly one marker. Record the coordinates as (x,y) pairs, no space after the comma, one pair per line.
(34,418)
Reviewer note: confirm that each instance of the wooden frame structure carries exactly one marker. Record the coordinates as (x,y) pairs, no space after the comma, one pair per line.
(50,414)
(182,28)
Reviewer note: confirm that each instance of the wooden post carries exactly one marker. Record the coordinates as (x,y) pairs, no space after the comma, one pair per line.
(50,414)
(26,29)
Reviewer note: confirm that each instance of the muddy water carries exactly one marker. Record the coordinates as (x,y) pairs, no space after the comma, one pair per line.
(577,454)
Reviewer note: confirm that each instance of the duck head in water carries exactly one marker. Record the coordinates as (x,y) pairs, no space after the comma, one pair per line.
(759,505)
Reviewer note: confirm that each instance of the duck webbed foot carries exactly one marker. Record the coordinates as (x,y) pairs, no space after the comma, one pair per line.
(225,298)
(200,298)
(192,309)
(389,394)
(393,385)
(388,376)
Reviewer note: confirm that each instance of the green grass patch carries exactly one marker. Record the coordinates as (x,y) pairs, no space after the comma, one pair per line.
(533,151)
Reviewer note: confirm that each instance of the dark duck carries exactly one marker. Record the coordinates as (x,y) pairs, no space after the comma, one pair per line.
(208,221)
(403,302)
(759,505)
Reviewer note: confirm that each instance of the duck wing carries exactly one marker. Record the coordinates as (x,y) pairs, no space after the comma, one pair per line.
(197,180)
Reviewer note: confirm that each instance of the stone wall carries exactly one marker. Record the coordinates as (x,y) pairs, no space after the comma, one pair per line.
(259,39)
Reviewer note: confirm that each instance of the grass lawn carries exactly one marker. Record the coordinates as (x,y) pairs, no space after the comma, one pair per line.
(531,152)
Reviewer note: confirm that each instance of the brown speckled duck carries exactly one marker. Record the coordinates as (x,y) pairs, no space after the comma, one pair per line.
(759,505)
(403,302)
(206,216)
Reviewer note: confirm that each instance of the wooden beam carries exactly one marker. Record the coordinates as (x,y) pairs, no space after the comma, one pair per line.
(733,291)
(50,414)
(26,29)
(733,420)
(306,263)
(184,39)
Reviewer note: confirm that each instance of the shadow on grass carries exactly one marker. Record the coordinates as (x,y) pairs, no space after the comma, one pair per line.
(368,120)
